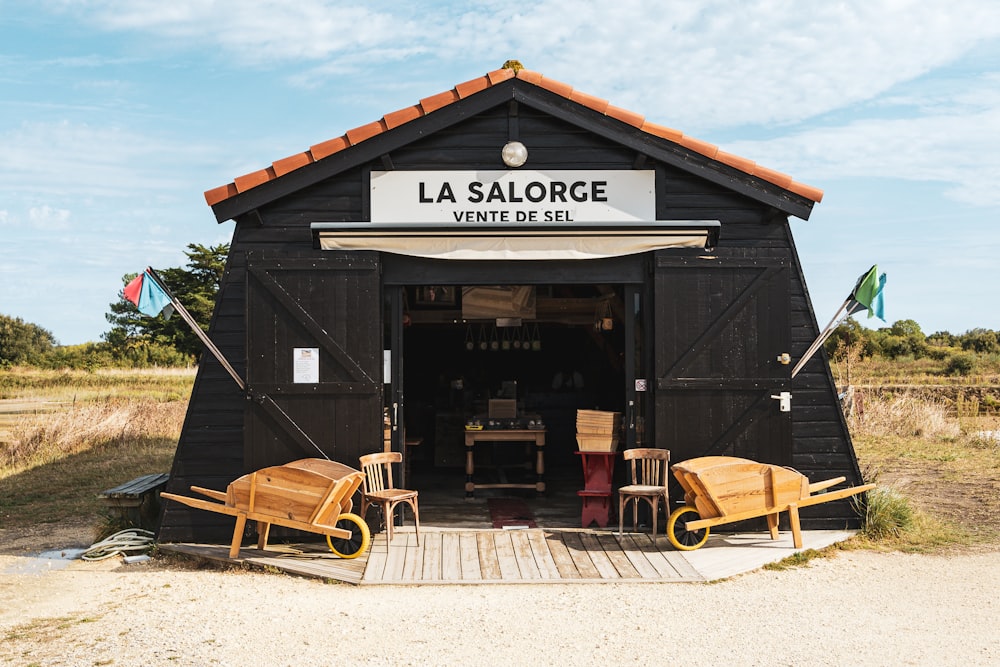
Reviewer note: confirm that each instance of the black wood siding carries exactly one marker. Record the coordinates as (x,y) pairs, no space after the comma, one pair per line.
(330,302)
(210,451)
(720,324)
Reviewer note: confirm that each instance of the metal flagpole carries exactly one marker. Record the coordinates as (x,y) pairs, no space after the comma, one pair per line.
(263,399)
(822,336)
(850,306)
(186,316)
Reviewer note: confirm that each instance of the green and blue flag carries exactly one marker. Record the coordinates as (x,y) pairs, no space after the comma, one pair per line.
(867,295)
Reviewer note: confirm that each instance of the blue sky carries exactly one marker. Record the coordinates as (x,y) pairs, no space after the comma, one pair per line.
(116,116)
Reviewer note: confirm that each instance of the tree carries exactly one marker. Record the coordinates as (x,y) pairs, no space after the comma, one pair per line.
(849,335)
(148,339)
(941,339)
(845,336)
(980,340)
(906,328)
(22,342)
(903,339)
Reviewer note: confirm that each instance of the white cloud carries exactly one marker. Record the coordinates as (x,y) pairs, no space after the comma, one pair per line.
(46,217)
(719,64)
(703,67)
(961,150)
(67,157)
(262,31)
(698,65)
(4,217)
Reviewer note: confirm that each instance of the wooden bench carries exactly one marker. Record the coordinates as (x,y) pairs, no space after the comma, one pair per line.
(138,500)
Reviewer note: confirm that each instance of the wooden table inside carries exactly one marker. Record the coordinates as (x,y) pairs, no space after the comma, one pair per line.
(537,436)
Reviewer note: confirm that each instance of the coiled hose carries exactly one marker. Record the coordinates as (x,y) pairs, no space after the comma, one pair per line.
(133,540)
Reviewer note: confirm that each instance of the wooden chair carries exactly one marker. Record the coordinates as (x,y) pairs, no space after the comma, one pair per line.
(379,490)
(649,482)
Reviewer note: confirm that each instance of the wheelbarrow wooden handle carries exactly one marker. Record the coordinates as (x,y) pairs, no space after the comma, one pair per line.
(825,484)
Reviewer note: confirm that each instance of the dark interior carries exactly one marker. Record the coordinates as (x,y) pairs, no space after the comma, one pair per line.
(569,356)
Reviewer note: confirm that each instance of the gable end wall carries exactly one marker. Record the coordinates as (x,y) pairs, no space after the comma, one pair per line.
(210,450)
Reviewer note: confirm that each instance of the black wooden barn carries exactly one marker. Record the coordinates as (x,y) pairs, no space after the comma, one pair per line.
(367,274)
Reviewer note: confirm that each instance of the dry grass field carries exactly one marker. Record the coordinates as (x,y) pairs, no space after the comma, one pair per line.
(934,438)
(66,436)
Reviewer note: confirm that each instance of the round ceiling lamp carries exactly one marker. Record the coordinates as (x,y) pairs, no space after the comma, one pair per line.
(514,154)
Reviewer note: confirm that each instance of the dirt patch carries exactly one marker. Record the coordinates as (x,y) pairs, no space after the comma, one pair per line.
(29,540)
(962,492)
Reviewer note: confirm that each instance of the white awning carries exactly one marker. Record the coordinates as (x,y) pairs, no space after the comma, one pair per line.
(592,241)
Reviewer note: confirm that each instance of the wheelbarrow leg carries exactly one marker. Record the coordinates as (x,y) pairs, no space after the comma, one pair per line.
(772,525)
(263,529)
(241,522)
(793,518)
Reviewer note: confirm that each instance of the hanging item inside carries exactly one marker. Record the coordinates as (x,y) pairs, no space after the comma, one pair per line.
(604,319)
(483,341)
(536,340)
(470,340)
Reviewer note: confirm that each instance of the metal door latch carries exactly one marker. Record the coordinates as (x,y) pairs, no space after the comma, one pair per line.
(784,401)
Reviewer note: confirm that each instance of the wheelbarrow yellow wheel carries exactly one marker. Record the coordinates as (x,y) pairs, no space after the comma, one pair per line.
(357,543)
(679,535)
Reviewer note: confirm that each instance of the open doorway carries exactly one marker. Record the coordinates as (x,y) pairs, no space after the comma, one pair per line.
(511,357)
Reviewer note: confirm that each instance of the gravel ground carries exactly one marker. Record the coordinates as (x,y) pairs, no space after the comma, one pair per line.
(855,608)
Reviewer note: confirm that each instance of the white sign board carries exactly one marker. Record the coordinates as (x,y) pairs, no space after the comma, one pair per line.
(511,197)
(305,365)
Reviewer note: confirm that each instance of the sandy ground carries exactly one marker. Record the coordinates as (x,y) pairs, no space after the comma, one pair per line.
(855,608)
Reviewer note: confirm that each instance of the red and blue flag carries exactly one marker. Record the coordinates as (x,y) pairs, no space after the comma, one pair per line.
(148,296)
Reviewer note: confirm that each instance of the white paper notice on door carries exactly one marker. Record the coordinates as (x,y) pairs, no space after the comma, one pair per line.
(305,365)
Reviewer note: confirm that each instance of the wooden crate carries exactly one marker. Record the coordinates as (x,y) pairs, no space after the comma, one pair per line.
(596,443)
(598,422)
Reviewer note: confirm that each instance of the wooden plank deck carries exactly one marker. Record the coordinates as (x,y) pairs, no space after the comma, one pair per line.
(533,555)
(473,557)
(527,555)
(310,560)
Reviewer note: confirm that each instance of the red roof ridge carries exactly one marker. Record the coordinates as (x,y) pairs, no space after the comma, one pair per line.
(471,87)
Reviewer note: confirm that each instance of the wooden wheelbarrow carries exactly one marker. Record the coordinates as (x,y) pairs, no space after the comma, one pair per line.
(724,489)
(313,495)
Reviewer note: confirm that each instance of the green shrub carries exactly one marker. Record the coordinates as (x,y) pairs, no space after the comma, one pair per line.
(884,512)
(961,363)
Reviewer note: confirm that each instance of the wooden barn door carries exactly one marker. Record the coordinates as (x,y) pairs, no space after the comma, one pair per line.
(314,358)
(721,325)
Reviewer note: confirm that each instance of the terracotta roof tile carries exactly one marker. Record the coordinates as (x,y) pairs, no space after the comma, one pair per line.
(529,76)
(221,193)
(500,75)
(625,116)
(473,86)
(807,191)
(291,163)
(736,161)
(397,118)
(553,86)
(699,146)
(661,131)
(359,134)
(435,102)
(589,101)
(329,147)
(253,179)
(772,176)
